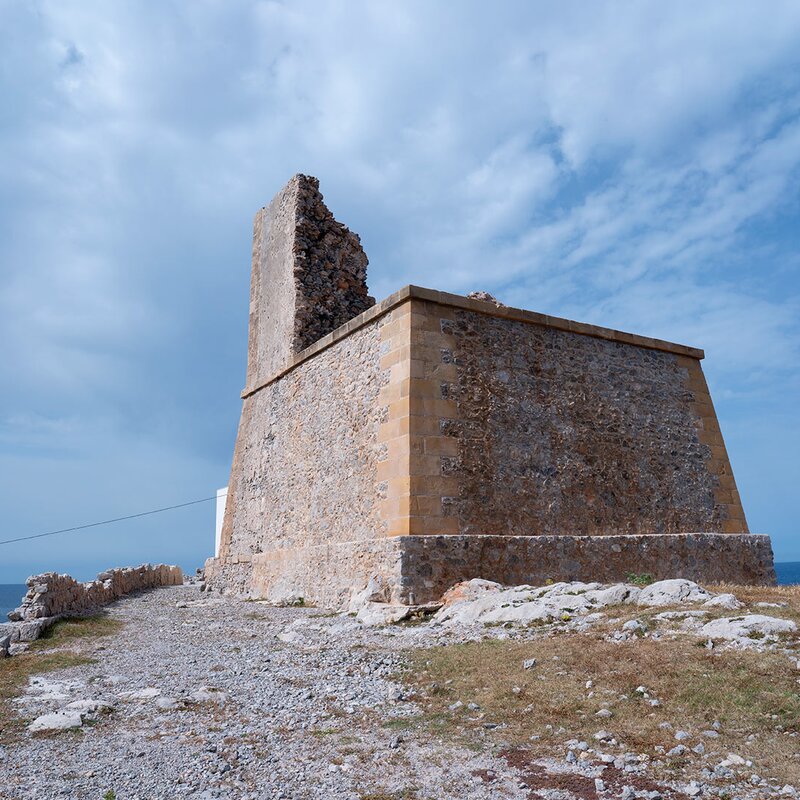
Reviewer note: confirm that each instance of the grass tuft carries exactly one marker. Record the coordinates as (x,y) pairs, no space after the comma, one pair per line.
(69,628)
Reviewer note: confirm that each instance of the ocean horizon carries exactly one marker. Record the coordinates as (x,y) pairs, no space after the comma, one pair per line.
(788,572)
(10,596)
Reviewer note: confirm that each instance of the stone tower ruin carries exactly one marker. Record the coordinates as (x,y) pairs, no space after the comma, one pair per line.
(432,438)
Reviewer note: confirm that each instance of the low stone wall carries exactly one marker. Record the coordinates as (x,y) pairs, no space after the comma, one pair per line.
(51,596)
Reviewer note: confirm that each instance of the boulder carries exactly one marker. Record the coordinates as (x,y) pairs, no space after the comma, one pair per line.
(469,590)
(57,721)
(377,590)
(31,630)
(726,601)
(747,629)
(673,592)
(483,603)
(382,613)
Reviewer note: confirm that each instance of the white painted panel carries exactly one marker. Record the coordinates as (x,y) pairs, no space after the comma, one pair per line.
(222,496)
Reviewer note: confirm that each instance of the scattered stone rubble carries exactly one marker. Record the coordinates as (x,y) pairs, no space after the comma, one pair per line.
(485,297)
(51,596)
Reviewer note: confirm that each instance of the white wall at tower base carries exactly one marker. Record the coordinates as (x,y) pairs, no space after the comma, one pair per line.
(222,496)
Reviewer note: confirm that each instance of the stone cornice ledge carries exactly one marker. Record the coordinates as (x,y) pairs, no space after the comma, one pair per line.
(480,307)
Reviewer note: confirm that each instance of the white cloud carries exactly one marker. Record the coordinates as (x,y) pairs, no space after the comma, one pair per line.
(623,163)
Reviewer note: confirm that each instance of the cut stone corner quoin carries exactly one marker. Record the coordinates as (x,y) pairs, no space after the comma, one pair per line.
(431,438)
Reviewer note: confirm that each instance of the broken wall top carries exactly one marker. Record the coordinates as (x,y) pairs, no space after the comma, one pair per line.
(309,277)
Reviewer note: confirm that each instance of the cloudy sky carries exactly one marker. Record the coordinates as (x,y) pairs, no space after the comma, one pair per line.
(634,165)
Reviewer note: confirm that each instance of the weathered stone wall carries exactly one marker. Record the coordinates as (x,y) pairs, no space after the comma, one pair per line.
(553,431)
(598,437)
(432,414)
(327,574)
(432,564)
(52,595)
(364,427)
(309,276)
(330,269)
(307,454)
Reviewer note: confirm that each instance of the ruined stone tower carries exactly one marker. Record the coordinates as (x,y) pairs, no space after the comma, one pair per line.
(432,438)
(309,277)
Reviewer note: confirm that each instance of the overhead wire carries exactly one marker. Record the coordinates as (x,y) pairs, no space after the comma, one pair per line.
(108,521)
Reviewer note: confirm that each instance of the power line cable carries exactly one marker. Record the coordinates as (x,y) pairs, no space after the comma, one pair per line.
(109,521)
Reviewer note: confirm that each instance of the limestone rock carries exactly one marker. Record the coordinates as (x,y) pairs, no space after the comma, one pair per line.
(377,590)
(747,629)
(383,613)
(469,590)
(56,721)
(727,601)
(208,694)
(634,626)
(673,592)
(483,603)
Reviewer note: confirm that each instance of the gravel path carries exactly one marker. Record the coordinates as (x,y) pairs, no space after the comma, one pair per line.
(293,712)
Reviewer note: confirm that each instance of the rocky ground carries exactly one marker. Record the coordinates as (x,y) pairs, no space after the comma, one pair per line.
(201,696)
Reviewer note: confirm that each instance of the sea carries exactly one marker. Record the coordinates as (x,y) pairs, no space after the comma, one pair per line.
(788,572)
(11,593)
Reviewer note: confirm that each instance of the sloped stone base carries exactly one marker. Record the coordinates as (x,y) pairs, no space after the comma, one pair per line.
(419,569)
(431,564)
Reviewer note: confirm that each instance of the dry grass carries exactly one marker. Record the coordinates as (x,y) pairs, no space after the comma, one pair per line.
(66,630)
(50,653)
(762,594)
(750,595)
(751,694)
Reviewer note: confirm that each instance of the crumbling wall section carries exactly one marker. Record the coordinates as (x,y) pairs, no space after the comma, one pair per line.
(330,269)
(309,277)
(51,593)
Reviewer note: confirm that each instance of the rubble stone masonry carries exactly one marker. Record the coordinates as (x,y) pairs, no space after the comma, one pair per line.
(309,277)
(432,438)
(556,432)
